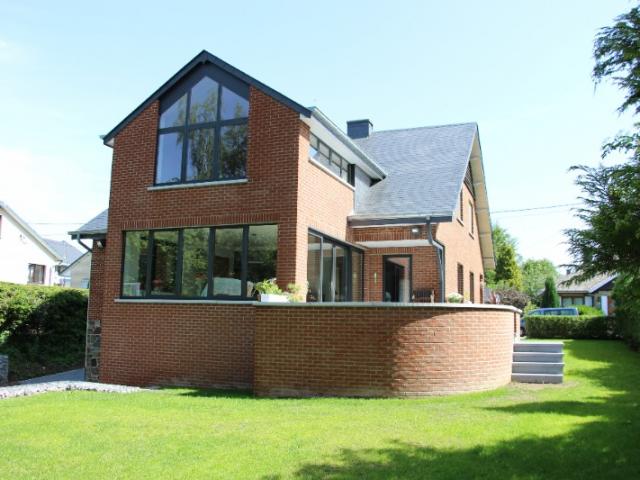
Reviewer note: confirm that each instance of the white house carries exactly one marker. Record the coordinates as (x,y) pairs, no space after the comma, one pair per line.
(79,271)
(26,257)
(595,292)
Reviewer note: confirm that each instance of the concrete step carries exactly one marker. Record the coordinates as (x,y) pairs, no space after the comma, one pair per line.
(536,378)
(538,367)
(555,347)
(540,357)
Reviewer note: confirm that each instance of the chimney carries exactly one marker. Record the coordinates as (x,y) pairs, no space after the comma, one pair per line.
(359,128)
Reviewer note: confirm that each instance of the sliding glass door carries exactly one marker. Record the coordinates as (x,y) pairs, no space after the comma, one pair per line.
(330,271)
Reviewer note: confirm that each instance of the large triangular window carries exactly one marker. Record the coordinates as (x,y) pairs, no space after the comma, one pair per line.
(202,134)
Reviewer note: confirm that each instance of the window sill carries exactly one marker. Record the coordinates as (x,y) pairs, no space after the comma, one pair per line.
(472,235)
(460,221)
(337,177)
(197,184)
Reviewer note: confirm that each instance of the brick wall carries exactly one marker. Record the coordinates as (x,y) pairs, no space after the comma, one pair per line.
(324,203)
(177,344)
(463,248)
(425,272)
(381,351)
(269,196)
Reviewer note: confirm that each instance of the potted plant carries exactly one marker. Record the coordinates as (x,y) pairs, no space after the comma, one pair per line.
(455,298)
(270,292)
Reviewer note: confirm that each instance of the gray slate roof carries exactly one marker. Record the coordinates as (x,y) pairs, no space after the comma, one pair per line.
(67,252)
(425,169)
(592,285)
(97,225)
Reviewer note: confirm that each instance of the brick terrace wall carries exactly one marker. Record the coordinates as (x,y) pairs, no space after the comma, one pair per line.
(179,344)
(381,350)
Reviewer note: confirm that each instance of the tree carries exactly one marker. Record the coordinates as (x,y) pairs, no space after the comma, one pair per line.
(534,274)
(610,240)
(550,298)
(507,273)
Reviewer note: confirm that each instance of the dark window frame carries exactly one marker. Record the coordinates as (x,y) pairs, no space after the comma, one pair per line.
(472,287)
(179,263)
(345,167)
(460,279)
(232,85)
(384,281)
(347,277)
(43,271)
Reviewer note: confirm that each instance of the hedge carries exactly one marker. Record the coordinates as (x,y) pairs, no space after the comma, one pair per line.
(565,326)
(42,329)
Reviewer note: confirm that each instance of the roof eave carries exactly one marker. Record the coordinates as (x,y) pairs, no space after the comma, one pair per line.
(392,219)
(344,138)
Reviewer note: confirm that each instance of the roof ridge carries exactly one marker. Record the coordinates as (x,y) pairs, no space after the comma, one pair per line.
(425,127)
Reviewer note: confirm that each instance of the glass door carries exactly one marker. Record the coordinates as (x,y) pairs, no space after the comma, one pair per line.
(397,278)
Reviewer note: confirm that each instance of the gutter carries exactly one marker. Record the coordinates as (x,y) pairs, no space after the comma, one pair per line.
(439,255)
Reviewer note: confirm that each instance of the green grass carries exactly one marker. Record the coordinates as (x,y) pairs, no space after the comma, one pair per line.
(587,428)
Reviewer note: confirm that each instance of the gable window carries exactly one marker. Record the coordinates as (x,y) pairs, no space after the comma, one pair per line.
(472,226)
(328,158)
(201,262)
(461,213)
(202,135)
(36,273)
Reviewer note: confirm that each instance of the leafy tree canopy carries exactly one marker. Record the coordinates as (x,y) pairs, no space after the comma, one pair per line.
(534,274)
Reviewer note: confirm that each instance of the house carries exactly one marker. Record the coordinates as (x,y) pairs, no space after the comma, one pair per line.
(595,292)
(68,255)
(26,257)
(219,182)
(77,273)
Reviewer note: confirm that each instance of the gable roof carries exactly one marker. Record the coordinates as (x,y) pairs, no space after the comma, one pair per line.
(67,252)
(96,227)
(566,285)
(30,231)
(201,58)
(82,255)
(425,169)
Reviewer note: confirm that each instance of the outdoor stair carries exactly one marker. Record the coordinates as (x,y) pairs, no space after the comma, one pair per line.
(537,362)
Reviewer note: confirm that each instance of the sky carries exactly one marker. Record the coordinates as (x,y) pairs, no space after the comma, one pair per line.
(70,71)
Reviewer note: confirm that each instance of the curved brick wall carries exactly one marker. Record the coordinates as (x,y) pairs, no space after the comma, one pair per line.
(381,350)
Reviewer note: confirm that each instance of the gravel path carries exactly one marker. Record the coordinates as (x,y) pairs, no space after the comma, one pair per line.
(34,388)
(68,376)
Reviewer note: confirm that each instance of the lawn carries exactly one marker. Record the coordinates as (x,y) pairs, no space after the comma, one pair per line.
(587,428)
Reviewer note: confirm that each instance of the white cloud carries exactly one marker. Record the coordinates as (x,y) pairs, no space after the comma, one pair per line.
(10,52)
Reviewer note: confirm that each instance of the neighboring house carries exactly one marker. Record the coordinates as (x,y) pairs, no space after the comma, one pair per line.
(78,272)
(68,255)
(26,257)
(219,182)
(595,292)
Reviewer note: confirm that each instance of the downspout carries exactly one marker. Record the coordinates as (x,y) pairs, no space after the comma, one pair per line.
(439,255)
(77,239)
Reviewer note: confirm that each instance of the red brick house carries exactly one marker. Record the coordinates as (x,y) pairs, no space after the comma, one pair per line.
(219,181)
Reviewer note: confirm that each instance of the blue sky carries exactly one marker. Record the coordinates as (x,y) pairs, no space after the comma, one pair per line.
(70,71)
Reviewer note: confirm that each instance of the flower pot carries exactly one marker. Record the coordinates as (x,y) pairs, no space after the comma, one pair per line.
(273,298)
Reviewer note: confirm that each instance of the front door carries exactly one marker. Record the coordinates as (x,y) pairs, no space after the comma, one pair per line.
(397,278)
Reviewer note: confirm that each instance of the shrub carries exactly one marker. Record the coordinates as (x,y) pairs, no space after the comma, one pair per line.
(589,311)
(455,298)
(571,326)
(42,329)
(626,293)
(511,296)
(550,297)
